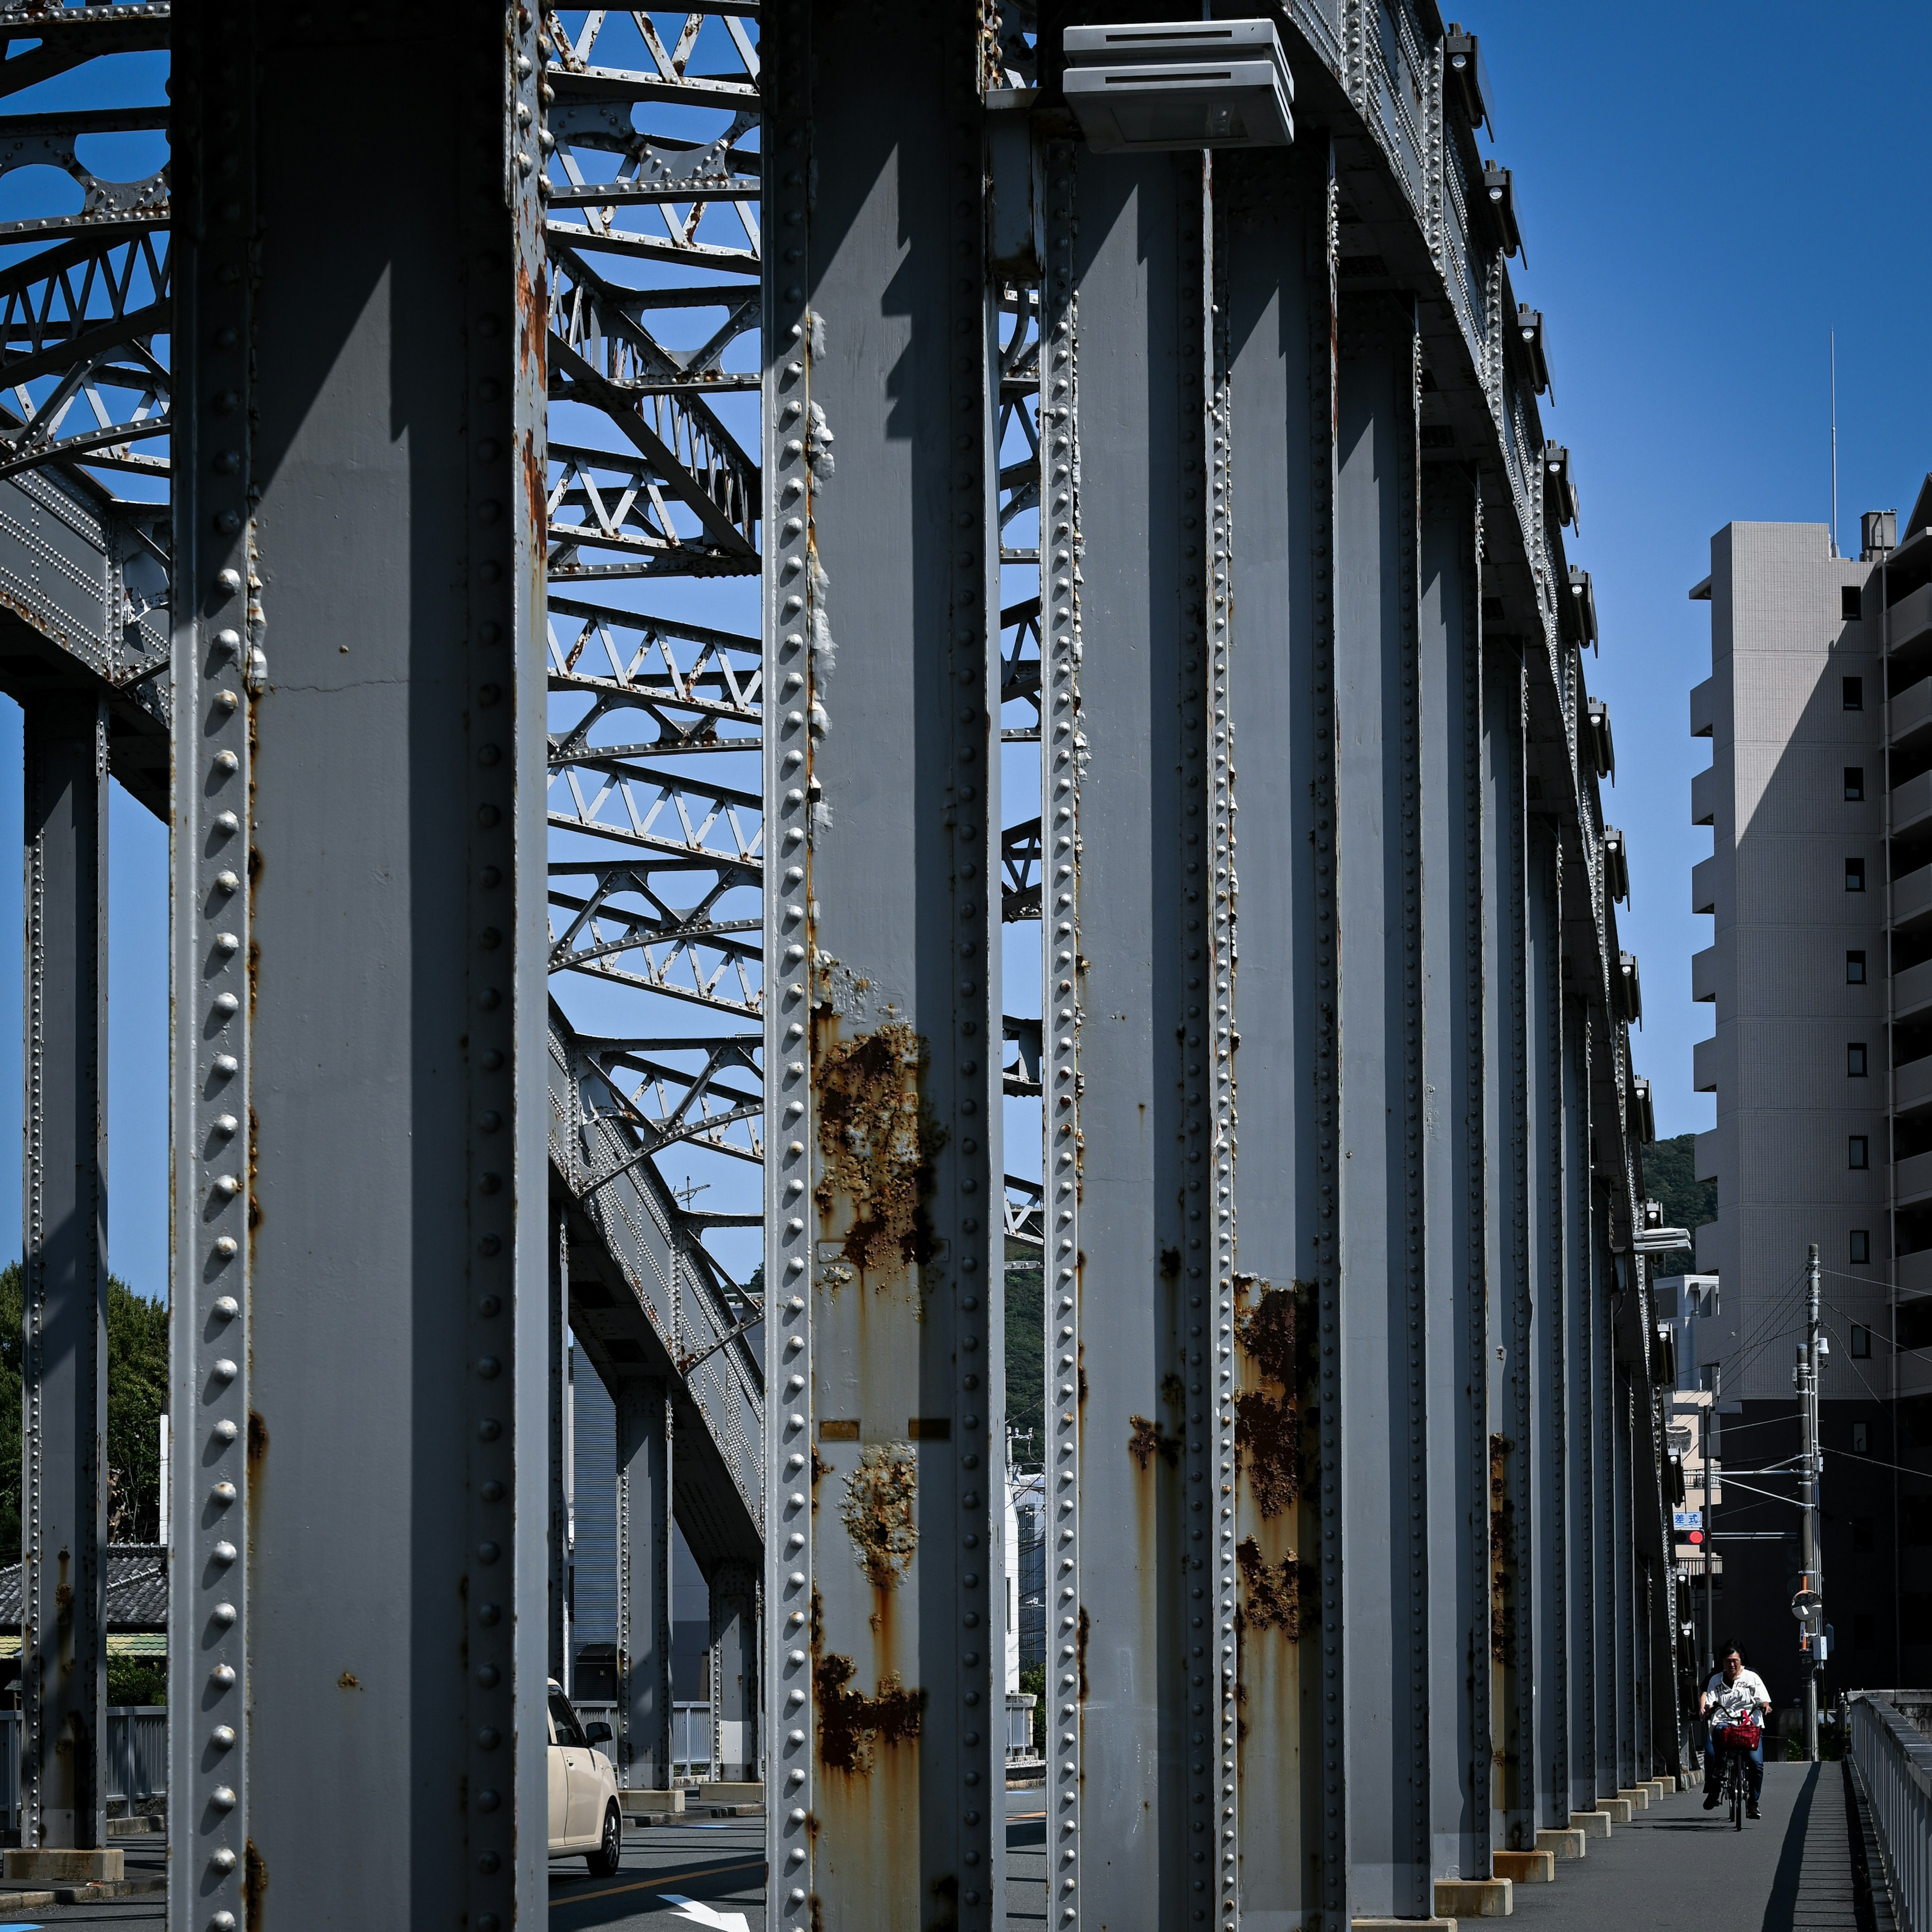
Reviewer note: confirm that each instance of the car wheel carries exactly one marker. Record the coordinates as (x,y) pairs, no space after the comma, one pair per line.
(603,1862)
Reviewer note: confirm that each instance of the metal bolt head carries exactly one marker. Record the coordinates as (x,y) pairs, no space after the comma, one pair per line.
(222,1798)
(225,1125)
(223,1493)
(225,1552)
(226,942)
(226,1064)
(227,882)
(223,1614)
(222,1675)
(225,1430)
(227,1247)
(228,582)
(222,1737)
(224,1370)
(227,1307)
(226,822)
(223,1861)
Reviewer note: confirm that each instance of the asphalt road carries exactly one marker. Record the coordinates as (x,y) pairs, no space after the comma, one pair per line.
(1677,1867)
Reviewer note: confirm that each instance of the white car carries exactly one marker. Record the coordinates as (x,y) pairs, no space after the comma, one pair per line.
(584,1814)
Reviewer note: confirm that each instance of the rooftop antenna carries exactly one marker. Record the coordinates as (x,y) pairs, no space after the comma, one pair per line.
(1834,442)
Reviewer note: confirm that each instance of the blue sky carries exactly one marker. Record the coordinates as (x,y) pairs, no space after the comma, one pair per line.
(1704,193)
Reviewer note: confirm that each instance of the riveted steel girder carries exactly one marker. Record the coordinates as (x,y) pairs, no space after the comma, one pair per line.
(361,1240)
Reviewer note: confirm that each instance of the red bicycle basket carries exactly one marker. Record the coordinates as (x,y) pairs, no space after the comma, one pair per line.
(1739,1737)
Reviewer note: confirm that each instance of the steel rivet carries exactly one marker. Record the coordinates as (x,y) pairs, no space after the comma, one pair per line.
(223,1493)
(223,1861)
(222,1674)
(226,1063)
(224,1551)
(225,1430)
(224,1370)
(226,823)
(222,1737)
(223,1614)
(227,882)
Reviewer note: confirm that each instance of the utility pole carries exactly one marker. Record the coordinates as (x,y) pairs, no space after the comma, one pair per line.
(1810,1595)
(1709,1414)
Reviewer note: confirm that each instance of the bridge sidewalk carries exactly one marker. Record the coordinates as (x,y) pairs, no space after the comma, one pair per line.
(1678,1866)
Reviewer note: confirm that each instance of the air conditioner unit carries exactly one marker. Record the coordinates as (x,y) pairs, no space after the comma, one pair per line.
(1179,84)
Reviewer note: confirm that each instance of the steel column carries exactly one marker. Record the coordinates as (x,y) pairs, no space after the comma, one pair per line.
(559,1452)
(1137,1071)
(1385,1608)
(1606,1489)
(1280,683)
(736,1740)
(359,1067)
(63,1285)
(1513,1532)
(1630,1639)
(644,1451)
(1547,1473)
(1455,1322)
(883,1028)
(1582,1606)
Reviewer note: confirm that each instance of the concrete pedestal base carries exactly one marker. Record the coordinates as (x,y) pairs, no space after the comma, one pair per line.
(1472,1898)
(1617,1809)
(629,1801)
(1639,1795)
(1402,1925)
(1560,1844)
(1526,1867)
(711,1791)
(61,1865)
(1595,1824)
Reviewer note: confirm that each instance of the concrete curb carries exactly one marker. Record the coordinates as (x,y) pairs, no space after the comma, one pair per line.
(99,1893)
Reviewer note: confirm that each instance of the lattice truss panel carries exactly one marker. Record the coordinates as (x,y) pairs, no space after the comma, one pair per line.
(1020,857)
(652,164)
(84,291)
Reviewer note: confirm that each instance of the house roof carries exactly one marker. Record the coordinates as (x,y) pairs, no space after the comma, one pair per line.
(137,1588)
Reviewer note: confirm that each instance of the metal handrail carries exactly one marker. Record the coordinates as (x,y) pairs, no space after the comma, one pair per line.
(1891,1759)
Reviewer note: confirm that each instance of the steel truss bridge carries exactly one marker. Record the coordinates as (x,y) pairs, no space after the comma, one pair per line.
(689,493)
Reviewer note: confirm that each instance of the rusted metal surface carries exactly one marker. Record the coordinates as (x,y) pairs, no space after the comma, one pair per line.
(878,1139)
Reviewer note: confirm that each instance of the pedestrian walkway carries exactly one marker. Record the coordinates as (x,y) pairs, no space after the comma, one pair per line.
(1678,1866)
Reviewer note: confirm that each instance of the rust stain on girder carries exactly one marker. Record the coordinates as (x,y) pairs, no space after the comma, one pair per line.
(1272,1599)
(852,1726)
(878,1512)
(1502,1511)
(1268,1406)
(877,1142)
(1147,1439)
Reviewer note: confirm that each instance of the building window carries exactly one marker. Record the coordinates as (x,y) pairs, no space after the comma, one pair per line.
(1855,694)
(1854,1059)
(1860,1247)
(1864,1634)
(1862,1532)
(1861,1439)
(1855,875)
(1851,602)
(1855,784)
(1861,1341)
(1854,969)
(1860,1150)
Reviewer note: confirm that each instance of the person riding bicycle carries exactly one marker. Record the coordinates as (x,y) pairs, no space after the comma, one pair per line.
(1734,1697)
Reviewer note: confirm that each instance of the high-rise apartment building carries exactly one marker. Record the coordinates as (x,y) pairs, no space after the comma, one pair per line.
(1819,796)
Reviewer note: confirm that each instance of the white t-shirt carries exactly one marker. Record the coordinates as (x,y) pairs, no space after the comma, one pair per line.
(1743,1699)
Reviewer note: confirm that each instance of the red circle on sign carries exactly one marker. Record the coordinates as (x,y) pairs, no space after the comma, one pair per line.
(1697,1536)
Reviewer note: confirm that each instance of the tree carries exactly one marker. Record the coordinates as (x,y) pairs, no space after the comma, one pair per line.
(137,1396)
(1670,1179)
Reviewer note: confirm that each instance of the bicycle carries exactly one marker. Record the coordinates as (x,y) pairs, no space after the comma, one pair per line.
(1736,1742)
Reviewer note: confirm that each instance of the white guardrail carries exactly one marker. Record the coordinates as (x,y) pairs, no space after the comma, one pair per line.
(137,1759)
(690,1734)
(1892,1760)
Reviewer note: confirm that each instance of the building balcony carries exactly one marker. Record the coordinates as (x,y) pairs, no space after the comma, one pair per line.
(1912,1086)
(1912,1180)
(1705,1148)
(1704,973)
(1704,1067)
(1704,794)
(1911,898)
(1912,991)
(1912,805)
(1703,708)
(1912,712)
(1915,1273)
(1909,620)
(1704,885)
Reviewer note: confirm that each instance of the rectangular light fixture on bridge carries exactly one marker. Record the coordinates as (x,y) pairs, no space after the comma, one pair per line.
(1180,84)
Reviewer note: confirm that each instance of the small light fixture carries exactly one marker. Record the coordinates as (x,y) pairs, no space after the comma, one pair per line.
(1176,84)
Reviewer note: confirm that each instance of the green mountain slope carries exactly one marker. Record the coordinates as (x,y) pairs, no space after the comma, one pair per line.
(1670,1170)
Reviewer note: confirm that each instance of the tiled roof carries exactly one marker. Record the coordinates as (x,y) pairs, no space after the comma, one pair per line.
(137,1588)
